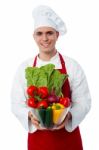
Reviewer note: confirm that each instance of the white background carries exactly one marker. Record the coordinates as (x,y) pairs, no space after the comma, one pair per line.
(16,45)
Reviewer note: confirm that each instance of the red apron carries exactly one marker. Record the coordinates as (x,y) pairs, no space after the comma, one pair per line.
(57,139)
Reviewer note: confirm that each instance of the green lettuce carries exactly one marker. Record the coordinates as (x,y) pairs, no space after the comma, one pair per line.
(46,76)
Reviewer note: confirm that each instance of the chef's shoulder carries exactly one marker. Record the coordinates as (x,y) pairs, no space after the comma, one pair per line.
(27,63)
(74,68)
(20,71)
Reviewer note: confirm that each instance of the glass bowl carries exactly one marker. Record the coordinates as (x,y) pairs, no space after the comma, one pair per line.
(50,118)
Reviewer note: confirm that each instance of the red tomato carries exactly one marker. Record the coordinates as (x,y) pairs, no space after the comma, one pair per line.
(65,101)
(43,92)
(42,104)
(31,102)
(31,90)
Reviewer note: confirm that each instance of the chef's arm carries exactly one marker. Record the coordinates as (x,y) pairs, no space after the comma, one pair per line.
(81,100)
(18,100)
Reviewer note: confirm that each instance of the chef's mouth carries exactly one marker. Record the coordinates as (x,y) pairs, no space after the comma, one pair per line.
(45,45)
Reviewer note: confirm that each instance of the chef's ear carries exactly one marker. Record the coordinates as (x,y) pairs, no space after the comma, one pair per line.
(33,35)
(57,34)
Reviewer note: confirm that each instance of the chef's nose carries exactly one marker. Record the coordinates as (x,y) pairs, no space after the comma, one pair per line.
(45,37)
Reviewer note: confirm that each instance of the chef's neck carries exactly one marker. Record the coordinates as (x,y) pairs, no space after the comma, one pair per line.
(46,56)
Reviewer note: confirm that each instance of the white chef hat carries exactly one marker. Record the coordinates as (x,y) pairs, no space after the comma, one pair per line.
(45,16)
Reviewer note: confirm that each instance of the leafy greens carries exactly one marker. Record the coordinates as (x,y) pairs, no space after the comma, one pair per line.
(46,76)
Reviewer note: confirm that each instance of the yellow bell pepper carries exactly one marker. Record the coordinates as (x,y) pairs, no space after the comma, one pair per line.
(57,112)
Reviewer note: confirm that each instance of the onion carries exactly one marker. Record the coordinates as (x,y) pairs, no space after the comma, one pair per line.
(53,99)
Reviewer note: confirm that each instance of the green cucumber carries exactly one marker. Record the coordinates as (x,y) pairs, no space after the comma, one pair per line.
(42,112)
(48,117)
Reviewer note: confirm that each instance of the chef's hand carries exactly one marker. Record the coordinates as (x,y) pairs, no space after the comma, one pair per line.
(35,121)
(62,125)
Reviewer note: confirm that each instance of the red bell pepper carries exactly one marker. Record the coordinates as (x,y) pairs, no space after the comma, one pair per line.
(42,104)
(31,102)
(65,101)
(42,92)
(31,90)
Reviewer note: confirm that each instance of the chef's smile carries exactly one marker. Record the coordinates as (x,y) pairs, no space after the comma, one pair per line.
(45,45)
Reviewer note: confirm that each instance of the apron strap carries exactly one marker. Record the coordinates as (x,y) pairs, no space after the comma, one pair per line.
(63,64)
(66,86)
(35,60)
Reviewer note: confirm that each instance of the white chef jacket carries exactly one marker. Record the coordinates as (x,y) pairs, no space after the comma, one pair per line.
(80,95)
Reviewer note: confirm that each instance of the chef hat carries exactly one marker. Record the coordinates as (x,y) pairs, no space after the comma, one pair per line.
(45,16)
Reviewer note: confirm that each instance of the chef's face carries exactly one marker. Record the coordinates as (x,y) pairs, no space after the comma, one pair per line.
(46,38)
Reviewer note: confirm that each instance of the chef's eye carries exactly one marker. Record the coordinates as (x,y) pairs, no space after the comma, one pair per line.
(50,32)
(38,33)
